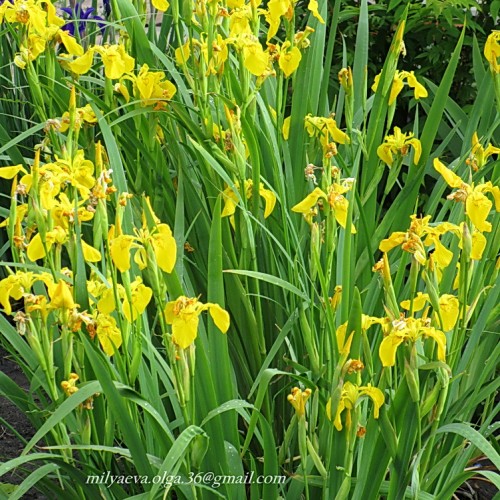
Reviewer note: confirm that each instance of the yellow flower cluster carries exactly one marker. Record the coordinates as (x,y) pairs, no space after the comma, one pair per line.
(42,27)
(400,77)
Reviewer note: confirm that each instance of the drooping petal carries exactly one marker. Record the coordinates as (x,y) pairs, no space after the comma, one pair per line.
(388,348)
(313,7)
(419,90)
(477,208)
(452,179)
(36,249)
(290,61)
(385,154)
(394,240)
(270,199)
(397,87)
(418,302)
(376,395)
(165,248)
(442,255)
(449,308)
(340,209)
(440,339)
(90,253)
(220,317)
(82,64)
(417,147)
(309,201)
(120,251)
(478,245)
(108,334)
(61,296)
(11,172)
(70,43)
(185,330)
(141,296)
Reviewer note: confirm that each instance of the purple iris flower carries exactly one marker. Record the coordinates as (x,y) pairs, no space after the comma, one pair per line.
(78,16)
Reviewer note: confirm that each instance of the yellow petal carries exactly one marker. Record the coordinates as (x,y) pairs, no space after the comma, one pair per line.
(313,7)
(286,127)
(449,308)
(419,89)
(82,64)
(376,395)
(290,61)
(185,330)
(477,207)
(388,348)
(270,199)
(165,248)
(11,172)
(36,249)
(70,43)
(106,304)
(440,339)
(452,179)
(385,154)
(61,296)
(141,296)
(441,255)
(417,147)
(397,87)
(340,208)
(161,5)
(255,59)
(418,302)
(120,251)
(220,317)
(108,334)
(478,245)
(309,201)
(90,253)
(394,240)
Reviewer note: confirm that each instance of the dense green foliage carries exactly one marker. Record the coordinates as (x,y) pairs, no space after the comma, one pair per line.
(165,184)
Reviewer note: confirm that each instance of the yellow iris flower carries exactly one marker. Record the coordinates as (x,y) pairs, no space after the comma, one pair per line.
(61,296)
(83,116)
(160,239)
(183,314)
(479,155)
(338,203)
(398,144)
(140,298)
(350,395)
(108,333)
(79,65)
(104,298)
(289,58)
(15,286)
(116,60)
(410,329)
(492,50)
(449,308)
(276,9)
(477,205)
(399,82)
(231,199)
(411,240)
(151,88)
(325,128)
(298,400)
(255,58)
